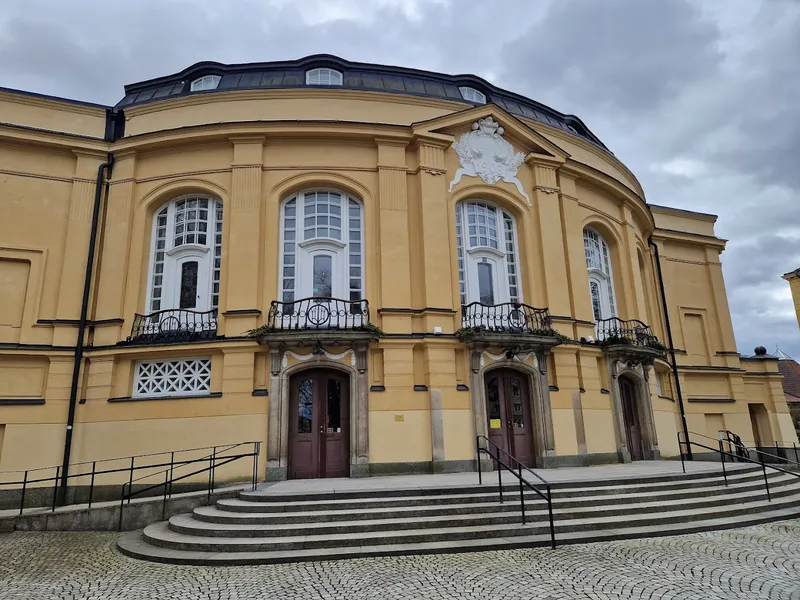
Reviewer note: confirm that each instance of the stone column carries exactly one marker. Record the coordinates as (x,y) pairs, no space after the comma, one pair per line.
(647,414)
(546,412)
(616,411)
(359,466)
(76,247)
(115,256)
(276,468)
(241,267)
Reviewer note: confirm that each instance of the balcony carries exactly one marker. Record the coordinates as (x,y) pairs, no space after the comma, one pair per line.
(629,340)
(510,326)
(173,326)
(317,321)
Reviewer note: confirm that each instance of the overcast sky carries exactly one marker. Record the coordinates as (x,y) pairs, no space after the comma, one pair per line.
(700,98)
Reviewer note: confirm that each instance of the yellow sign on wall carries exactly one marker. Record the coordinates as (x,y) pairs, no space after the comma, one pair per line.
(494,423)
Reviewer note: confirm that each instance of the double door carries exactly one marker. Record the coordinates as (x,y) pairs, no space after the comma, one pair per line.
(630,418)
(319,424)
(508,410)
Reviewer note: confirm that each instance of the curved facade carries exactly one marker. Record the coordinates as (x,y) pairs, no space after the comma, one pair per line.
(363,267)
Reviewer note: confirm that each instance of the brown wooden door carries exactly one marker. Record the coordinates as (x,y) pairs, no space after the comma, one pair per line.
(319,425)
(508,410)
(630,417)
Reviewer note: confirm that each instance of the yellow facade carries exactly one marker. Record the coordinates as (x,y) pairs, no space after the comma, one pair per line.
(417,396)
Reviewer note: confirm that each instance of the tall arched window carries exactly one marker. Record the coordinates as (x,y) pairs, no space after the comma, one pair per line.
(601,285)
(322,247)
(185,255)
(487,254)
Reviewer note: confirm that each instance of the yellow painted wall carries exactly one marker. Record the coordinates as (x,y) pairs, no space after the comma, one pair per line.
(252,150)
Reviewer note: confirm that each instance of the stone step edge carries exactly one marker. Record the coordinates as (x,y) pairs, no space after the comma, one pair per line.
(133,545)
(248,505)
(490,479)
(157,530)
(560,512)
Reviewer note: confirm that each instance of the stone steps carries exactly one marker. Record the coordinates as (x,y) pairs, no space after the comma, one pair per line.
(263,527)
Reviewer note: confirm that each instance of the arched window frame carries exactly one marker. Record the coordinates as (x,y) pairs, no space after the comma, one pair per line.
(500,238)
(297,248)
(601,280)
(324,76)
(206,82)
(168,242)
(470,94)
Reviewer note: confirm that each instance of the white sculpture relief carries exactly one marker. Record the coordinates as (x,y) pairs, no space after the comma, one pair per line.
(484,153)
(523,358)
(328,355)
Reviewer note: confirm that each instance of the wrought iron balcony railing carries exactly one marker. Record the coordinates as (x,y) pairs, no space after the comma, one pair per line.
(318,313)
(631,332)
(510,317)
(173,325)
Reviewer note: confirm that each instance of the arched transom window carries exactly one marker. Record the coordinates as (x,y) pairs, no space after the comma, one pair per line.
(186,254)
(487,254)
(208,82)
(322,253)
(601,286)
(323,77)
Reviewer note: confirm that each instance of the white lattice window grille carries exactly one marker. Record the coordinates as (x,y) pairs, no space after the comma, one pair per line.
(601,285)
(485,268)
(186,255)
(158,378)
(209,82)
(332,239)
(472,95)
(323,77)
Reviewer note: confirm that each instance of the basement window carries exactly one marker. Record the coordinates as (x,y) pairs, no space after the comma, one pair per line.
(188,377)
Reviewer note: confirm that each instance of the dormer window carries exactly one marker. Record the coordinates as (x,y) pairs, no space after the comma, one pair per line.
(472,95)
(323,77)
(208,82)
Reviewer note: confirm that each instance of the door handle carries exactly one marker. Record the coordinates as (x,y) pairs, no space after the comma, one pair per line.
(321,429)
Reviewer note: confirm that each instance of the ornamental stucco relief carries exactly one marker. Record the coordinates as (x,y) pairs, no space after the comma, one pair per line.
(484,153)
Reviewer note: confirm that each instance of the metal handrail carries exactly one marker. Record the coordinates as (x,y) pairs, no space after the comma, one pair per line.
(518,474)
(723,454)
(508,317)
(746,448)
(169,467)
(632,331)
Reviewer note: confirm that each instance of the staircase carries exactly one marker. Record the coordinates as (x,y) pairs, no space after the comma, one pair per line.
(271,527)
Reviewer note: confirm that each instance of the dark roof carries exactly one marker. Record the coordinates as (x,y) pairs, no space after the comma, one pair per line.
(56,98)
(361,76)
(790,370)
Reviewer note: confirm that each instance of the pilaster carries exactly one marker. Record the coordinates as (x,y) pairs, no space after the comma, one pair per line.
(636,307)
(242,265)
(76,246)
(721,308)
(435,220)
(112,277)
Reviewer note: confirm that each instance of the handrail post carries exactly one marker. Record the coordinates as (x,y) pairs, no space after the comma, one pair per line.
(171,468)
(121,507)
(794,446)
(22,498)
(211,462)
(550,513)
(521,495)
(255,468)
(164,501)
(499,476)
(680,451)
(722,456)
(91,484)
(55,487)
(766,480)
(478,455)
(130,481)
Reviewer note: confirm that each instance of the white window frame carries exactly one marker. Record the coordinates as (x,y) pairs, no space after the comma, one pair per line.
(507,279)
(304,250)
(324,76)
(208,255)
(206,82)
(470,94)
(601,273)
(189,376)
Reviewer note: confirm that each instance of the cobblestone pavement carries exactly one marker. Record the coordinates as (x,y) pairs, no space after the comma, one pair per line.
(753,563)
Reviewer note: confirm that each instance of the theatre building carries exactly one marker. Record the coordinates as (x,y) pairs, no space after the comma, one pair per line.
(363,267)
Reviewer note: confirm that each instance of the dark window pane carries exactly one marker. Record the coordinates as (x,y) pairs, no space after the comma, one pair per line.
(485,283)
(323,280)
(517,419)
(305,408)
(188,284)
(493,404)
(334,406)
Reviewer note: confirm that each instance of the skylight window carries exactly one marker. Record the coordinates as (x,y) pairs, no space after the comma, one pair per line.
(209,82)
(472,95)
(323,77)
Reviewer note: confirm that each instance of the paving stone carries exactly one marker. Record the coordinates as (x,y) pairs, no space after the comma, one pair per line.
(756,563)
